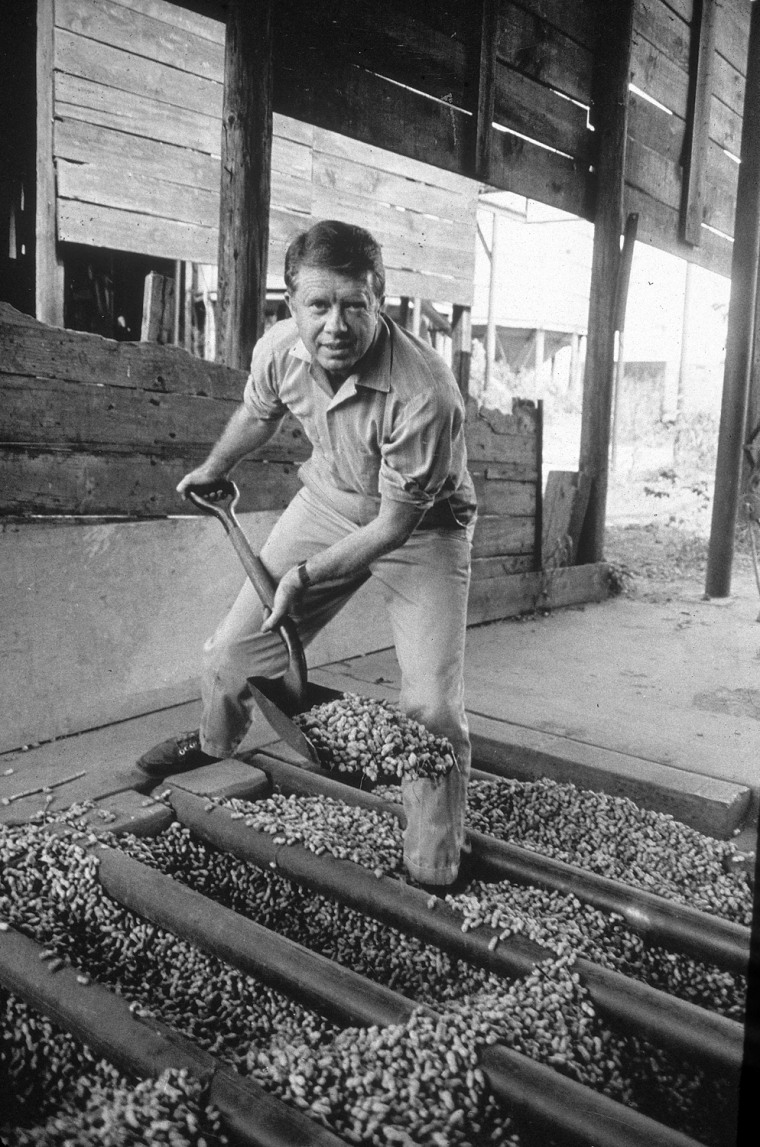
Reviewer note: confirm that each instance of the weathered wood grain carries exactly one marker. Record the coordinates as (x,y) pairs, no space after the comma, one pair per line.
(408,45)
(564,506)
(527,41)
(246,186)
(81,142)
(484,569)
(98,184)
(578,21)
(494,437)
(141,75)
(36,350)
(611,83)
(372,155)
(661,178)
(670,36)
(515,594)
(48,267)
(411,240)
(117,230)
(497,534)
(658,225)
(662,79)
(107,22)
(422,285)
(525,168)
(367,173)
(525,106)
(136,113)
(502,495)
(132,485)
(733,26)
(207,26)
(364,106)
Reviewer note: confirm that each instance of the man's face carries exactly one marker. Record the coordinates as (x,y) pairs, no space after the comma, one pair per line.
(336,316)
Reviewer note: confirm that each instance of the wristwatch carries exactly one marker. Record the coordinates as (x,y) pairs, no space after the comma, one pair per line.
(303,576)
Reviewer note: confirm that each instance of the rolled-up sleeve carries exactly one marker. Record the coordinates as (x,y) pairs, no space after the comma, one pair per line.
(417,458)
(261,394)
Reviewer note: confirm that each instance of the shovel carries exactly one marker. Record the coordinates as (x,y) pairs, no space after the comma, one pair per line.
(219,499)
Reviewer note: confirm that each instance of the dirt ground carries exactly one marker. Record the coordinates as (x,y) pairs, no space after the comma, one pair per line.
(657,537)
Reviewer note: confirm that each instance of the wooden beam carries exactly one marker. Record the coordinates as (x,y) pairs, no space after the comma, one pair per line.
(698,120)
(461,347)
(740,334)
(493,291)
(621,300)
(159,301)
(246,181)
(416,327)
(48,269)
(610,116)
(489,26)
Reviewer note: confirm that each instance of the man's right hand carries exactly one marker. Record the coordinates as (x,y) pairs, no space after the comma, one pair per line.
(202,475)
(242,434)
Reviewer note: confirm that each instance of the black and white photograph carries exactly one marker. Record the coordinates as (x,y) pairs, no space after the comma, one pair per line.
(379,573)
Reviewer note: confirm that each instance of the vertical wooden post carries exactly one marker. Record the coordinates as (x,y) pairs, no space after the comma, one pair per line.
(189,283)
(493,291)
(683,365)
(575,361)
(610,107)
(48,271)
(539,351)
(698,118)
(178,303)
(246,181)
(622,282)
(489,28)
(416,327)
(740,334)
(461,347)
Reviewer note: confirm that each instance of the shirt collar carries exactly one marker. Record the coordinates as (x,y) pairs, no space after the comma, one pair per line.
(375,370)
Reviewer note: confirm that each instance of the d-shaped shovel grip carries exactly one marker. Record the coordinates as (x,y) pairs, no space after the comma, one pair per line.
(219,499)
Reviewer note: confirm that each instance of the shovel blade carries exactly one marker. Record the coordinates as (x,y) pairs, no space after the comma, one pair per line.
(285,729)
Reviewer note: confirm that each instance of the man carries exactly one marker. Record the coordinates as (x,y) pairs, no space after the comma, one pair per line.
(386,494)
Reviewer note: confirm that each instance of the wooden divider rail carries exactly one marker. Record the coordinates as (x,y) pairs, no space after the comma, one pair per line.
(143,1047)
(692,1031)
(674,926)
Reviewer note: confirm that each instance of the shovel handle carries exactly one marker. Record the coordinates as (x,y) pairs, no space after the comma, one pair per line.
(220,499)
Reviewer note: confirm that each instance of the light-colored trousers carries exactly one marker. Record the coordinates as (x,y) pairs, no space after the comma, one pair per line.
(425,585)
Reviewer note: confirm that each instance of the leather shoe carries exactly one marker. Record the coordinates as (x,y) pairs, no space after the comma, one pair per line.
(177,755)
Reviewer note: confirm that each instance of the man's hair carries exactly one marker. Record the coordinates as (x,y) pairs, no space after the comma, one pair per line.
(334,246)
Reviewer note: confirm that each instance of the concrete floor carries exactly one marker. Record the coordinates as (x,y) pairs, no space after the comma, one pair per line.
(661,692)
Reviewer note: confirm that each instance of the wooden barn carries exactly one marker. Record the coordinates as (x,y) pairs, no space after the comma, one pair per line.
(117,170)
(157,157)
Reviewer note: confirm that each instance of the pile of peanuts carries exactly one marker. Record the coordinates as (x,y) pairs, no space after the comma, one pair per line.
(616,838)
(361,735)
(58,1094)
(414,1084)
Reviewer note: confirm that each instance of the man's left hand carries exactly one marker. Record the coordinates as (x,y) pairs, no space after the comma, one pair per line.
(288,593)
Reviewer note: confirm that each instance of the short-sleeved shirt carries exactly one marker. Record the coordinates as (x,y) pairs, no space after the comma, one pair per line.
(393,430)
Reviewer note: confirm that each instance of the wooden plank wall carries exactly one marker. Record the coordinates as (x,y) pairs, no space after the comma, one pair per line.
(138,88)
(662,48)
(504,453)
(138,101)
(542,144)
(107,617)
(96,427)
